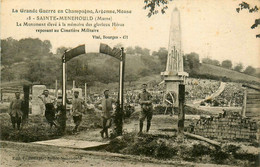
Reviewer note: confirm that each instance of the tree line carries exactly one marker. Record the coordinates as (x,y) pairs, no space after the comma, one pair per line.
(229,65)
(33,60)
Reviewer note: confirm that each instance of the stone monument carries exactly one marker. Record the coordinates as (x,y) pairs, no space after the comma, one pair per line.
(37,104)
(174,73)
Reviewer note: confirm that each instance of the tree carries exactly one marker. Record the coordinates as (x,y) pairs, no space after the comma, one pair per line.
(251,9)
(31,48)
(226,64)
(146,52)
(145,72)
(215,62)
(151,64)
(26,52)
(130,50)
(162,55)
(250,70)
(43,71)
(138,50)
(9,51)
(153,4)
(74,68)
(210,61)
(108,72)
(130,77)
(206,60)
(14,51)
(238,67)
(7,74)
(192,62)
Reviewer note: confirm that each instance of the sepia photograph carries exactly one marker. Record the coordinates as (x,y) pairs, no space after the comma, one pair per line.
(130,83)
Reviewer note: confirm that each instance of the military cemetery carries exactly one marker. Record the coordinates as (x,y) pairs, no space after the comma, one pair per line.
(127,105)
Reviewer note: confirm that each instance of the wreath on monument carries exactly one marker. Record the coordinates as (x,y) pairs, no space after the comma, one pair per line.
(170,98)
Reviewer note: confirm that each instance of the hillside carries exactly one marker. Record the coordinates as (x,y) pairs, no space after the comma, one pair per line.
(134,64)
(257,70)
(32,60)
(221,72)
(139,69)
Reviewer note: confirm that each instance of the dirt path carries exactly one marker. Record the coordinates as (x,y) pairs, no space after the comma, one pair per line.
(28,154)
(169,122)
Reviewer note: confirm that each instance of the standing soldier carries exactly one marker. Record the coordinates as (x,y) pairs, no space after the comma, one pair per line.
(145,100)
(77,110)
(15,110)
(107,110)
(48,101)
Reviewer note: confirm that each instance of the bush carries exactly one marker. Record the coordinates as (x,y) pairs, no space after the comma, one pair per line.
(164,151)
(219,156)
(200,150)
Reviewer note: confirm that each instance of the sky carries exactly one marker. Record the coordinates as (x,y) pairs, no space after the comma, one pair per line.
(211,28)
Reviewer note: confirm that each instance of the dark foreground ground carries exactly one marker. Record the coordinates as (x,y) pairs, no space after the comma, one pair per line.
(160,147)
(27,154)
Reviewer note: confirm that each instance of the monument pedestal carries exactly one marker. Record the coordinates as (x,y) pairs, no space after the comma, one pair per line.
(172,81)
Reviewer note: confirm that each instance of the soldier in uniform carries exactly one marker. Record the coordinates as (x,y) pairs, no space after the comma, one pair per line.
(15,111)
(145,100)
(77,110)
(107,110)
(48,101)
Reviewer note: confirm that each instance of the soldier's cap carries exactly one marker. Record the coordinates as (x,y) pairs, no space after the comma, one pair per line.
(105,90)
(16,92)
(145,84)
(76,91)
(46,90)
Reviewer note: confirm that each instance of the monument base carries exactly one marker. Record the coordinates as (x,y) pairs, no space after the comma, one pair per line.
(173,87)
(172,81)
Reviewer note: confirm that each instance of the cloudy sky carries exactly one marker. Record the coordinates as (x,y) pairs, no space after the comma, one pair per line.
(211,28)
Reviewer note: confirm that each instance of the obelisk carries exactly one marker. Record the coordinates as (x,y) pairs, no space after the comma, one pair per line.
(174,73)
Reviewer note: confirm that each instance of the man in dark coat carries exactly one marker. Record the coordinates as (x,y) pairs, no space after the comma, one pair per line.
(48,101)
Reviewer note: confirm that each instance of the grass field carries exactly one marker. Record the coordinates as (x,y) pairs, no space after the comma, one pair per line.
(221,72)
